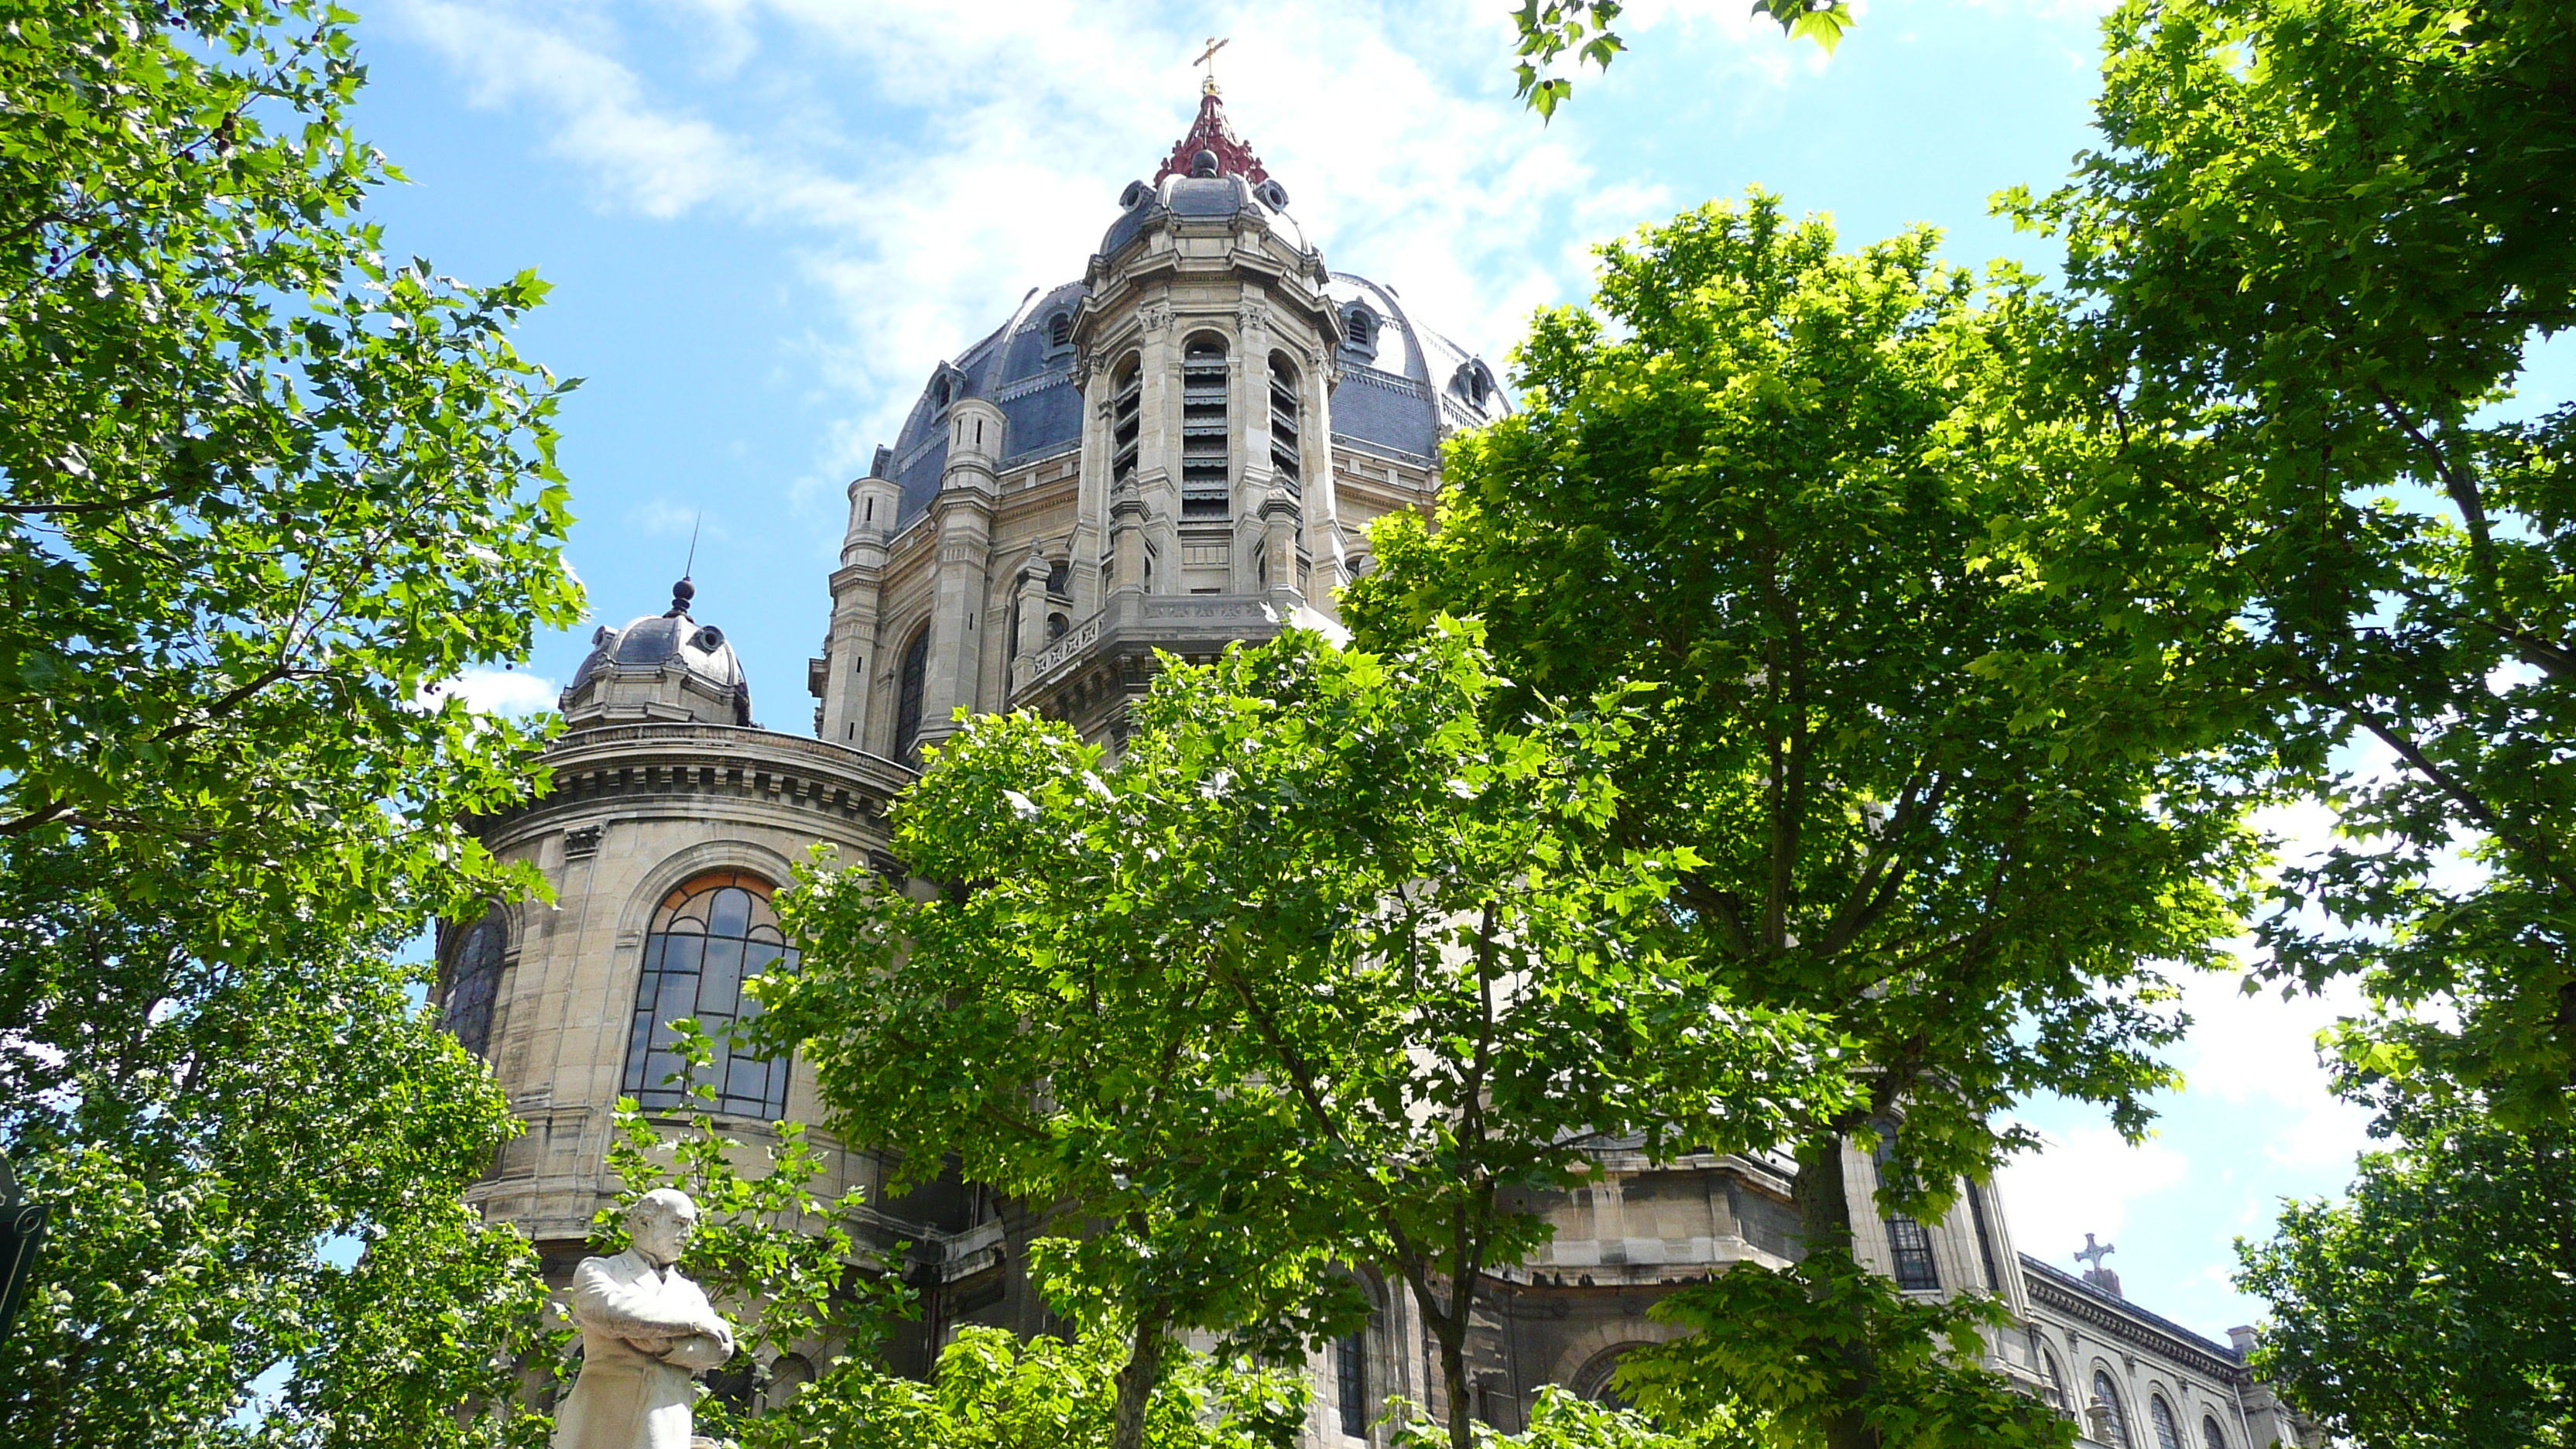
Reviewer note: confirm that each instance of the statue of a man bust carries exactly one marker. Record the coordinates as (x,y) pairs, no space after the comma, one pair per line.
(645,1331)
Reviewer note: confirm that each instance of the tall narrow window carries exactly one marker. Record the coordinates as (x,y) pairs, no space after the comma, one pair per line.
(2052,1383)
(910,683)
(1985,1238)
(1205,467)
(1350,1371)
(708,937)
(473,982)
(2160,1417)
(1284,447)
(2110,1399)
(1907,1243)
(1912,1249)
(2210,1437)
(1126,420)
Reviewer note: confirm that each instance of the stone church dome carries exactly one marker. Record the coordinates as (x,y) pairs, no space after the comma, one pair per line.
(1402,384)
(662,667)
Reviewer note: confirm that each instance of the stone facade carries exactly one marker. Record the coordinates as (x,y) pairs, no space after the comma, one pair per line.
(1181,450)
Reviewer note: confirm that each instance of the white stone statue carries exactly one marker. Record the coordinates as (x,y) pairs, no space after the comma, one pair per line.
(645,1331)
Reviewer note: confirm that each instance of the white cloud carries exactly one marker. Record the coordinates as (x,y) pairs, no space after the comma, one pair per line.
(504,691)
(663,518)
(931,168)
(2084,1182)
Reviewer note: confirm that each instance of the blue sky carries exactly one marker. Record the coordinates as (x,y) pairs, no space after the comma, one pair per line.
(766,220)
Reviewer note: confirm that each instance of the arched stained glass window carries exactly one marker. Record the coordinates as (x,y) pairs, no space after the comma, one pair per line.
(2160,1418)
(708,937)
(2210,1437)
(2109,1396)
(473,982)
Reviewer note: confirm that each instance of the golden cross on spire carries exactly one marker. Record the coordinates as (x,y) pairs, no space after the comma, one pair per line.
(1207,58)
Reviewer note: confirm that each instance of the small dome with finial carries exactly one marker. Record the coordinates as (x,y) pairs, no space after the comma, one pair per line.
(660,668)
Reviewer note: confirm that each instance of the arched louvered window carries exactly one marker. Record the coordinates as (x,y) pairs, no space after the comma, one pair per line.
(474,982)
(1060,331)
(2160,1417)
(2210,1436)
(1350,1383)
(912,679)
(1284,446)
(1126,420)
(1359,332)
(2109,1397)
(1206,467)
(708,937)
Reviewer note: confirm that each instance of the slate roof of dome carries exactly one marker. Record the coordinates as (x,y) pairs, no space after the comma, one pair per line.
(1396,392)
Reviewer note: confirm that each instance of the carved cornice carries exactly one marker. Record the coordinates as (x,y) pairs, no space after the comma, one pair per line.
(2120,1322)
(636,763)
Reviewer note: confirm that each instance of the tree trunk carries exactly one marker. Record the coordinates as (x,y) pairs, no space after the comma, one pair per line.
(1825,1222)
(1136,1381)
(1453,1382)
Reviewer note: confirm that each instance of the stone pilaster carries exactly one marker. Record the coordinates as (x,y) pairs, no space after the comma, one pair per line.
(1030,600)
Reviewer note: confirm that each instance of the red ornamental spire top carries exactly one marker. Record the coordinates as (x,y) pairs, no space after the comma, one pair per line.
(1210,133)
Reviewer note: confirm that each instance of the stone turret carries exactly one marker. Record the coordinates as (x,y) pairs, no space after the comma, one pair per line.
(660,668)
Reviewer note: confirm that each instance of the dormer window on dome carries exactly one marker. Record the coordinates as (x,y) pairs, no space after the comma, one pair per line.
(1473,384)
(1359,332)
(1059,333)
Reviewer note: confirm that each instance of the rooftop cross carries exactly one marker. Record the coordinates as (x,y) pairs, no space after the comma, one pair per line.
(1207,58)
(2093,1252)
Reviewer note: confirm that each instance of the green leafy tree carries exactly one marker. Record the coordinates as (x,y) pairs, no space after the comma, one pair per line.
(1799,1354)
(1322,962)
(1559,1420)
(262,493)
(216,1138)
(1781,481)
(2434,1308)
(1549,30)
(994,1390)
(1032,1028)
(2311,251)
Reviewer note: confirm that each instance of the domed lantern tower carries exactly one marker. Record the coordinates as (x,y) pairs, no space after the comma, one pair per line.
(1181,450)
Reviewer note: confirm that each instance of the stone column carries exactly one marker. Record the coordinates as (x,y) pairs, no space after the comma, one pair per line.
(963,514)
